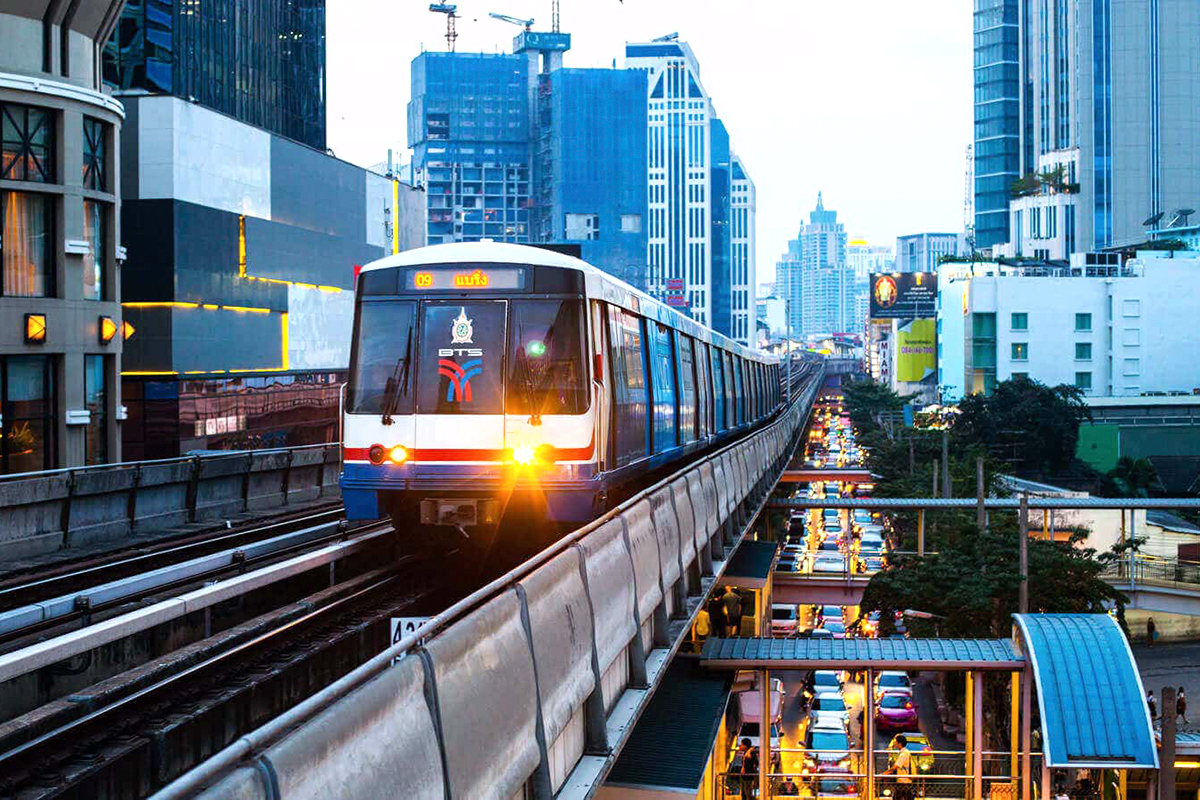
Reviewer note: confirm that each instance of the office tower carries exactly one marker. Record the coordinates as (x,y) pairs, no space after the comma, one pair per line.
(997,115)
(920,252)
(701,199)
(814,277)
(259,61)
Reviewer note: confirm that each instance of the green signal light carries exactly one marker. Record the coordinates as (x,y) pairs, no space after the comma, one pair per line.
(535,349)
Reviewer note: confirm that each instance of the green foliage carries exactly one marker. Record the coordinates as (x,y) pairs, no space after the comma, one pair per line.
(1028,426)
(1131,478)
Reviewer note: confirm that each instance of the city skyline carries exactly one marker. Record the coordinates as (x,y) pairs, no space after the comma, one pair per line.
(841,155)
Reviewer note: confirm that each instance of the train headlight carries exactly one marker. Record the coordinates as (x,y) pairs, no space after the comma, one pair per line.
(524,455)
(398,454)
(545,453)
(376,454)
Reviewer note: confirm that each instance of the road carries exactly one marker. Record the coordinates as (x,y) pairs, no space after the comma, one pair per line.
(1177,664)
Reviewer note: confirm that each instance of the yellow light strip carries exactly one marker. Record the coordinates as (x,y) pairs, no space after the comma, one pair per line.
(284,338)
(242,268)
(261,369)
(395,216)
(210,306)
(151,372)
(247,309)
(165,304)
(242,246)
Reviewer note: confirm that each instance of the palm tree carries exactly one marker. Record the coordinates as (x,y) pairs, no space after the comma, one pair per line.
(1133,478)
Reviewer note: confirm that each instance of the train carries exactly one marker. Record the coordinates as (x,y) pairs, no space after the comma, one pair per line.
(501,384)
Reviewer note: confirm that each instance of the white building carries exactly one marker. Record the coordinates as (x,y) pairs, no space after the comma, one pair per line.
(700,198)
(863,258)
(1042,218)
(920,252)
(1109,329)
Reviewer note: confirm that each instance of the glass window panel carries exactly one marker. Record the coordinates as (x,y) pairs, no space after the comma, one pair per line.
(95,398)
(546,359)
(94,261)
(27,424)
(93,154)
(384,346)
(25,244)
(461,361)
(26,144)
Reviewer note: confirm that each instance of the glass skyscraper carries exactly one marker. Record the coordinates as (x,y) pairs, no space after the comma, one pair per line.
(997,116)
(259,61)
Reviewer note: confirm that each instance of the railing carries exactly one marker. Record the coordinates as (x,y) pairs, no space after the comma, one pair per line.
(41,512)
(1153,569)
(596,618)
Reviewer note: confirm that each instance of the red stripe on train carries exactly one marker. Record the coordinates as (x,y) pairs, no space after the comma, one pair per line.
(433,455)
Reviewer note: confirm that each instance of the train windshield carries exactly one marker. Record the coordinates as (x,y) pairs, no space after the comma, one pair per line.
(383,352)
(545,361)
(460,370)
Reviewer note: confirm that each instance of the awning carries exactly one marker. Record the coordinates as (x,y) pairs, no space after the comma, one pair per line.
(898,654)
(1090,695)
(673,739)
(750,565)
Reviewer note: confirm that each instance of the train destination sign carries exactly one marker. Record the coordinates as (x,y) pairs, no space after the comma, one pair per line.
(450,280)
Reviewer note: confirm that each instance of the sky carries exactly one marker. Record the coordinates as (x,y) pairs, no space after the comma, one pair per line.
(868,101)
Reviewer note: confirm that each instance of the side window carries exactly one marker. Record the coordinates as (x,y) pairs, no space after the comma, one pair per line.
(662,382)
(739,391)
(687,389)
(720,402)
(703,390)
(730,390)
(630,401)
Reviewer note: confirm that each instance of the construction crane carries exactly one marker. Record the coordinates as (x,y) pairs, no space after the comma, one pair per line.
(528,23)
(451,12)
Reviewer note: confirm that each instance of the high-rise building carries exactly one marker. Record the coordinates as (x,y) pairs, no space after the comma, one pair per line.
(1106,121)
(997,156)
(259,61)
(701,200)
(61,342)
(863,258)
(815,279)
(920,252)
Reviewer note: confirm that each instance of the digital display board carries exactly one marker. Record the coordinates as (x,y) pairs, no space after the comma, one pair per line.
(903,295)
(463,279)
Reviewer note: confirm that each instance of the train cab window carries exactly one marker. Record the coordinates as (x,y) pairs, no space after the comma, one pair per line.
(662,383)
(383,351)
(687,390)
(720,402)
(630,401)
(460,369)
(545,358)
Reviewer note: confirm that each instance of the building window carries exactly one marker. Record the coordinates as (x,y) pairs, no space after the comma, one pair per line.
(1020,351)
(95,389)
(26,144)
(1083,351)
(1083,322)
(1020,321)
(27,389)
(1020,376)
(93,155)
(1131,308)
(1133,366)
(631,223)
(1132,337)
(1083,380)
(25,253)
(94,261)
(582,227)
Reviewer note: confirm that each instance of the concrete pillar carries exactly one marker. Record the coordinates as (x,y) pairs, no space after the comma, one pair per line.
(921,532)
(977,735)
(1026,735)
(1014,729)
(868,734)
(1023,601)
(1166,752)
(764,735)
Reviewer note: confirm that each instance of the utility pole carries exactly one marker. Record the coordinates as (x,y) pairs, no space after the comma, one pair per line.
(935,477)
(1023,601)
(980,511)
(946,492)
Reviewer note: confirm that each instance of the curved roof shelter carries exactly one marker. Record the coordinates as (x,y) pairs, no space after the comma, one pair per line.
(1090,695)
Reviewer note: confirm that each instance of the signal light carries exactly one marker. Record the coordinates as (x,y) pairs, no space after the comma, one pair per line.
(545,453)
(398,454)
(376,454)
(527,455)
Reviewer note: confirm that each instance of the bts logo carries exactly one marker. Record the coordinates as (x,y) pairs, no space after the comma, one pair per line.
(459,389)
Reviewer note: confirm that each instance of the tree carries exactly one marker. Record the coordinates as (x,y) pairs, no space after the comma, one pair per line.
(872,406)
(973,582)
(1131,478)
(1032,427)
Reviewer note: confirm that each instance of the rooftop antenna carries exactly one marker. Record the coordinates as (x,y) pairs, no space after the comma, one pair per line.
(527,23)
(1152,220)
(553,16)
(451,12)
(670,37)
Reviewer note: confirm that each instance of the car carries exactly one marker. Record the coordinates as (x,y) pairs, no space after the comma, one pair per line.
(872,563)
(862,516)
(826,749)
(820,633)
(822,680)
(829,546)
(827,611)
(828,709)
(784,619)
(830,513)
(836,785)
(896,711)
(828,564)
(918,745)
(838,629)
(889,681)
(749,730)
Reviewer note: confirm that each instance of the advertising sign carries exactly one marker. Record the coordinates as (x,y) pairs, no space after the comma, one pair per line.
(677,301)
(916,350)
(675,284)
(903,295)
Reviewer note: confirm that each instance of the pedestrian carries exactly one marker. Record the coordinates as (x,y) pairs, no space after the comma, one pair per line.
(902,768)
(733,610)
(1151,631)
(789,787)
(1181,705)
(702,628)
(750,771)
(1152,704)
(716,613)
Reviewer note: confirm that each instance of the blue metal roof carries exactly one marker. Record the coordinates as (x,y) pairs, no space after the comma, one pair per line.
(1091,697)
(931,654)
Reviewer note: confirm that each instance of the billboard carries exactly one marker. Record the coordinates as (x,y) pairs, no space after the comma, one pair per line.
(916,350)
(903,295)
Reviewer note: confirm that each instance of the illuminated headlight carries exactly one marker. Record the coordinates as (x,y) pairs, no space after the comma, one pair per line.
(398,454)
(545,453)
(524,455)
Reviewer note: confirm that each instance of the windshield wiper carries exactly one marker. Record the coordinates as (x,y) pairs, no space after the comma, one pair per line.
(534,387)
(398,378)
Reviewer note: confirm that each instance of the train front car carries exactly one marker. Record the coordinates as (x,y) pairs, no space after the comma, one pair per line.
(470,402)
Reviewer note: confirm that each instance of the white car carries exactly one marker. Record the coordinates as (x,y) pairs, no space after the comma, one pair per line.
(828,710)
(784,619)
(828,564)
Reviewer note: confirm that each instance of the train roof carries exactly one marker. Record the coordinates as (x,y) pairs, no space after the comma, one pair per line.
(507,253)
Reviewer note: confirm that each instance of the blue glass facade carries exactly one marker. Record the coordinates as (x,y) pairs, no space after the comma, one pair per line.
(594,168)
(997,116)
(1102,123)
(722,280)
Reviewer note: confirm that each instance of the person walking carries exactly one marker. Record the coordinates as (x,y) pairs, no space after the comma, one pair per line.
(717,619)
(733,610)
(1181,705)
(1151,631)
(750,772)
(1153,704)
(902,768)
(702,628)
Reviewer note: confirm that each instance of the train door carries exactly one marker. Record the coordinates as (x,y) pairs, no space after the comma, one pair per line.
(460,383)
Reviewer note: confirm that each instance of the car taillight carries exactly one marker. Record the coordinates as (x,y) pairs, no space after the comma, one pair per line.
(908,705)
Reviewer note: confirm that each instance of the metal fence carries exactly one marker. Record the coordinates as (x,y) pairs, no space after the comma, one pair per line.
(41,512)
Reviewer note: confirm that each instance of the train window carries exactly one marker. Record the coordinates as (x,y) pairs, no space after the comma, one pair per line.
(687,390)
(383,348)
(462,355)
(545,358)
(739,391)
(719,396)
(629,385)
(662,382)
(703,390)
(730,390)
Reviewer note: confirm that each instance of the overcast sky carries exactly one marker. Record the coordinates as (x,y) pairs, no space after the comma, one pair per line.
(866,100)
